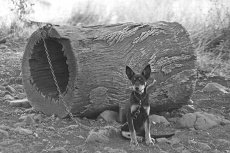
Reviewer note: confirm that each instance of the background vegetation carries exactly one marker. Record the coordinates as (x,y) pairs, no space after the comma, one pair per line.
(207,21)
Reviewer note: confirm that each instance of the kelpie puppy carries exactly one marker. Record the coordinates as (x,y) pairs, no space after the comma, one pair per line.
(139,108)
(137,111)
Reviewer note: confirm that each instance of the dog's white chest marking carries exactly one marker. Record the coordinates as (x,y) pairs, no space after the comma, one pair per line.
(147,109)
(134,108)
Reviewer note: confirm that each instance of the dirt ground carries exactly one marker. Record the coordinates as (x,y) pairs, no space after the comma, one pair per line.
(49,134)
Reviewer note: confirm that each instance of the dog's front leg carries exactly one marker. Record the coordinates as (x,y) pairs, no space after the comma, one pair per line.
(131,125)
(132,132)
(148,139)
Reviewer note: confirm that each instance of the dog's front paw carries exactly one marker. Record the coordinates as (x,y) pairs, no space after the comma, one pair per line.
(150,142)
(134,142)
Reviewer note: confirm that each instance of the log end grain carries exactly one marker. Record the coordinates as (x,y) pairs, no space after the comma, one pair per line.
(37,77)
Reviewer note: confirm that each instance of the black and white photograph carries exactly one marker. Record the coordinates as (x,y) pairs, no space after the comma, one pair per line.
(114,76)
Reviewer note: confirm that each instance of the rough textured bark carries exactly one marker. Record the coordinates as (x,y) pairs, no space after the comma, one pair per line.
(89,63)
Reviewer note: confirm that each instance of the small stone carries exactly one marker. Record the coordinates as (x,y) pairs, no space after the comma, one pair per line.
(19,124)
(2,112)
(72,127)
(19,87)
(2,93)
(207,121)
(21,96)
(7,93)
(51,128)
(158,119)
(174,141)
(3,47)
(3,40)
(162,151)
(200,121)
(186,121)
(102,135)
(8,97)
(224,141)
(27,119)
(192,142)
(23,131)
(38,118)
(216,151)
(10,89)
(111,150)
(162,140)
(4,127)
(189,108)
(30,110)
(173,119)
(80,136)
(20,103)
(96,137)
(57,119)
(185,151)
(18,111)
(7,142)
(4,133)
(109,116)
(203,146)
(17,147)
(67,142)
(179,149)
(55,150)
(39,130)
(224,121)
(23,116)
(215,87)
(2,88)
(203,123)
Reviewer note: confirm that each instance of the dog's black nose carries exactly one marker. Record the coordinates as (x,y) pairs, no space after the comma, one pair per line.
(136,88)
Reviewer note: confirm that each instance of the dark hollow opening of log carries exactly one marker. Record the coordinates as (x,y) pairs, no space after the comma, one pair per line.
(42,77)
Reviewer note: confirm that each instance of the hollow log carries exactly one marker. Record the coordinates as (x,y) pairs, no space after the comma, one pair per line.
(89,66)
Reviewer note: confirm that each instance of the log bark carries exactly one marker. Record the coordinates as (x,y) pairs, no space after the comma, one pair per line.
(89,63)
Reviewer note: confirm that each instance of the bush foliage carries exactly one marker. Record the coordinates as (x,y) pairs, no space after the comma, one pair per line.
(210,33)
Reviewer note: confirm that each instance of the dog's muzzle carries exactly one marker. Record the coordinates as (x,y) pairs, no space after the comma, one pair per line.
(139,89)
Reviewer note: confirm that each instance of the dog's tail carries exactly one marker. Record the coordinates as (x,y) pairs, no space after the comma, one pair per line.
(126,134)
(162,136)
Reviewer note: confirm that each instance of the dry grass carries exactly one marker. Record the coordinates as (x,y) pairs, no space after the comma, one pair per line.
(17,31)
(212,47)
(210,33)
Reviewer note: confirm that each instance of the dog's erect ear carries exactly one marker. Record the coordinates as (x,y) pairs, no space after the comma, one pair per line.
(146,72)
(129,72)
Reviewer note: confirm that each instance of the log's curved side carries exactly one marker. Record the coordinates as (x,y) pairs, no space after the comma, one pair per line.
(105,53)
(89,63)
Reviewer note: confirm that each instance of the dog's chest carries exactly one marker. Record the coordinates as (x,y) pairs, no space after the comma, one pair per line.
(141,100)
(139,106)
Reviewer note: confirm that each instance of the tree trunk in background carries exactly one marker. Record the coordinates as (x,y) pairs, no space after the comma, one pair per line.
(89,64)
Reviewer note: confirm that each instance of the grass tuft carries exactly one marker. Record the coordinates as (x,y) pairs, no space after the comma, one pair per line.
(210,33)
